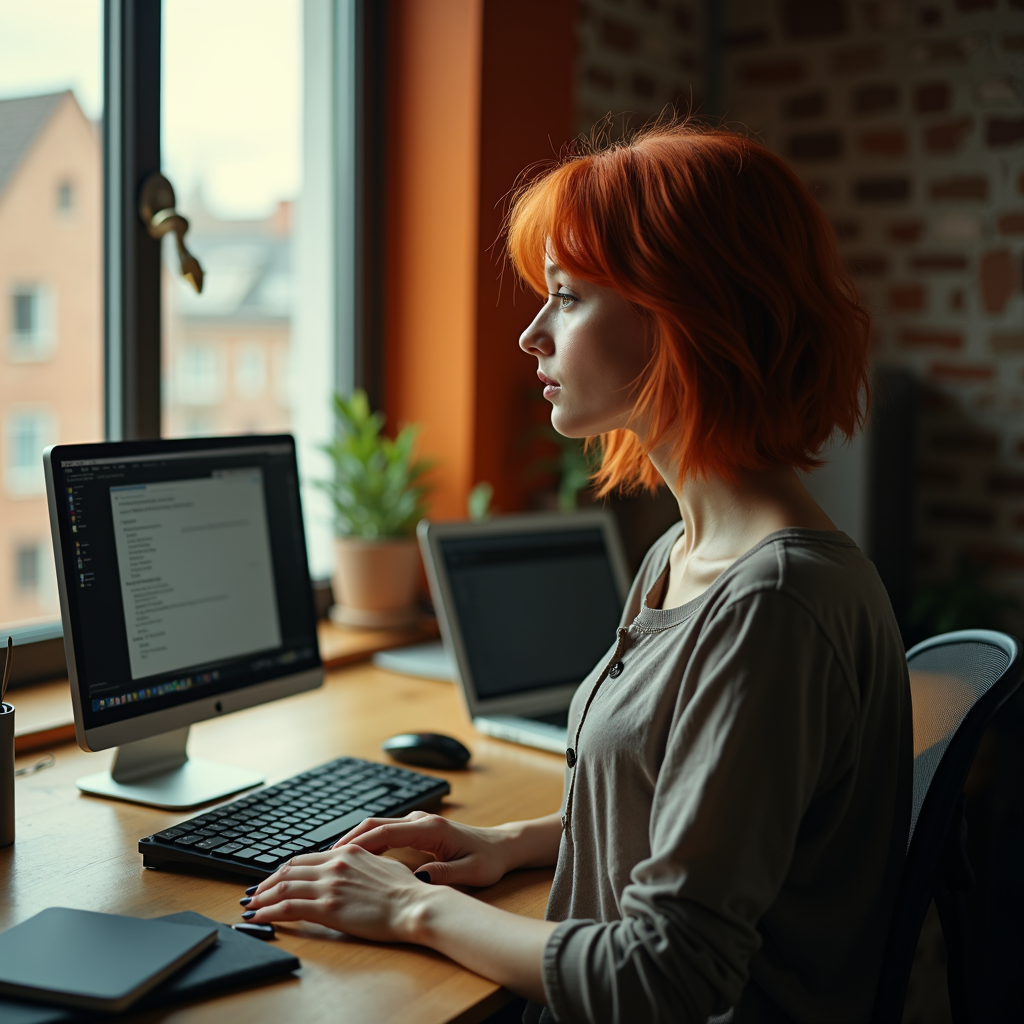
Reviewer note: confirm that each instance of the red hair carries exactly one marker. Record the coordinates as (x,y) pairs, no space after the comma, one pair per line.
(760,345)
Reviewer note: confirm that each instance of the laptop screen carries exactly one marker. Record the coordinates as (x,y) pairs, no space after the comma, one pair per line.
(536,610)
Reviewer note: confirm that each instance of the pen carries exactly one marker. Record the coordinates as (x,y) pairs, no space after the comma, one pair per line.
(7,669)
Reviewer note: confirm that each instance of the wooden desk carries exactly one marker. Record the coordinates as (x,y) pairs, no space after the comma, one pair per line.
(79,851)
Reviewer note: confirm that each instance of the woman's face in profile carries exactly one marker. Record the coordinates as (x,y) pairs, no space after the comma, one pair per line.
(591,346)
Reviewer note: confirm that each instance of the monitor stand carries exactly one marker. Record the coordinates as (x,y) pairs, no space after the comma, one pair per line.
(159,773)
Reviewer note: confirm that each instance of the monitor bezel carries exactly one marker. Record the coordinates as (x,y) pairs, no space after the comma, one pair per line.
(153,723)
(431,534)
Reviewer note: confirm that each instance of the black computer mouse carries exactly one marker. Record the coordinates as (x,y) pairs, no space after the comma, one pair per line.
(427,750)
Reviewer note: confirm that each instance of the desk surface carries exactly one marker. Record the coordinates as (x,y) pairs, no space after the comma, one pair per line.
(79,851)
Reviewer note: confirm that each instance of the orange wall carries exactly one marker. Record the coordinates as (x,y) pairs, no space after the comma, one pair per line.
(429,290)
(478,91)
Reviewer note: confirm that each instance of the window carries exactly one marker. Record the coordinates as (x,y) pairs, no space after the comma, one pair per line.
(26,568)
(31,322)
(250,370)
(256,169)
(263,165)
(65,197)
(28,432)
(199,378)
(51,283)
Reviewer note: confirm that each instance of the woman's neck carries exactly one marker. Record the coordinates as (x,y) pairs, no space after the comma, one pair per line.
(725,518)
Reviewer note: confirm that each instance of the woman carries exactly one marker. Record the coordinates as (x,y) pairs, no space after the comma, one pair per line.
(737,797)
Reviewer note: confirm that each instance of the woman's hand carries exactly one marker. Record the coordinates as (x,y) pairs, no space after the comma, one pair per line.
(378,898)
(462,854)
(347,889)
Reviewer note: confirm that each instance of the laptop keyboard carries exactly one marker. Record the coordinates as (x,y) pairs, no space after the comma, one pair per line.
(559,718)
(254,835)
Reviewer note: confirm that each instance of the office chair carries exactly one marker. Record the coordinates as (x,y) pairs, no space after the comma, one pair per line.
(958,681)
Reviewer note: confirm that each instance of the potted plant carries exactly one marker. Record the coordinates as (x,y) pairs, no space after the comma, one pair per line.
(378,498)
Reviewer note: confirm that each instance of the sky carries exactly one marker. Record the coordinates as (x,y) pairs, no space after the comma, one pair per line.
(232,88)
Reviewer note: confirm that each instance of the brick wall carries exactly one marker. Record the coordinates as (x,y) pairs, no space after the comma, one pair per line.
(906,118)
(637,56)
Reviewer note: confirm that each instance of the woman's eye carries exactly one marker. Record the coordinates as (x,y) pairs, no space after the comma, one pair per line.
(565,299)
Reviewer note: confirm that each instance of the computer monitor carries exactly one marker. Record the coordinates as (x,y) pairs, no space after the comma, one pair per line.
(185,595)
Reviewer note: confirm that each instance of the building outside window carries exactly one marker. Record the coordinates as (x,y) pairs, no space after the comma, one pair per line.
(65,197)
(27,433)
(51,275)
(250,370)
(27,568)
(200,378)
(32,317)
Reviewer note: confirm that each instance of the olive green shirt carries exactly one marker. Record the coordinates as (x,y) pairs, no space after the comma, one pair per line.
(737,817)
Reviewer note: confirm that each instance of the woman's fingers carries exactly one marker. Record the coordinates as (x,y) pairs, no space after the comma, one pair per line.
(309,888)
(367,824)
(294,910)
(305,866)
(352,891)
(425,833)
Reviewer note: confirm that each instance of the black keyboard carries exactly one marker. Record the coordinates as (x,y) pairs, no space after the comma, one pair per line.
(253,836)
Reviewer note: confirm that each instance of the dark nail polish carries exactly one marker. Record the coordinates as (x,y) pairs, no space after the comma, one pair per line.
(248,914)
(245,901)
(251,891)
(423,876)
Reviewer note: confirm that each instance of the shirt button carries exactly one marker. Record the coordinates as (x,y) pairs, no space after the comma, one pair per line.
(616,670)
(563,822)
(570,757)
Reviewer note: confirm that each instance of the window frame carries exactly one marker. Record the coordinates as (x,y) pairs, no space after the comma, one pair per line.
(132,40)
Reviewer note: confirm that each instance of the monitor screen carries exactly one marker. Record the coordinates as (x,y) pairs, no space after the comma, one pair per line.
(535,610)
(185,570)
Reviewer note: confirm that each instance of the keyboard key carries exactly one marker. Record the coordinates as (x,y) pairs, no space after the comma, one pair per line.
(228,849)
(171,833)
(266,858)
(336,826)
(246,854)
(209,844)
(188,840)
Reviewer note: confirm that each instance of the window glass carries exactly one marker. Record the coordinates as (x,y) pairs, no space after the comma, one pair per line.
(232,148)
(51,238)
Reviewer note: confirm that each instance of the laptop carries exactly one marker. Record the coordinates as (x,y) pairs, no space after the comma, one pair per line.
(527,605)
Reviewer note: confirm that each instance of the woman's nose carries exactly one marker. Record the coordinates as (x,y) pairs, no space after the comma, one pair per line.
(535,339)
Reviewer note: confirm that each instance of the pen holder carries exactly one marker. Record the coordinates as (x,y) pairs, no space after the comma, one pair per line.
(6,774)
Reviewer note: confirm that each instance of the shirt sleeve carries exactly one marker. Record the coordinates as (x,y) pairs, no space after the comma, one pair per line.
(762,702)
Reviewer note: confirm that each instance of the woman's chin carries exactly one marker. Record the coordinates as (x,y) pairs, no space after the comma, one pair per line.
(567,426)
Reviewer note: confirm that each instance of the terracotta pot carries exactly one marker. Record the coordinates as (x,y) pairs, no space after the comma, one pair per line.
(375,582)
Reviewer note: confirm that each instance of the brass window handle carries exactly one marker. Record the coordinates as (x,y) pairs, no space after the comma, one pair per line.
(156,209)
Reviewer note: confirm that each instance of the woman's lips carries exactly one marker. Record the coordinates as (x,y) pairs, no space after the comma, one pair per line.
(551,387)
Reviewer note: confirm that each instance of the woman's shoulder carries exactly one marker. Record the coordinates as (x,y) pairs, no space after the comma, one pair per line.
(824,572)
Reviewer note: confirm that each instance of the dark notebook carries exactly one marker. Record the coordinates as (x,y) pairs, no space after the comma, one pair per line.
(91,961)
(236,960)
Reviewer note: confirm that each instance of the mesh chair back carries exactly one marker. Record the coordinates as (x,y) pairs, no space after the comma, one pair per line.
(945,682)
(957,681)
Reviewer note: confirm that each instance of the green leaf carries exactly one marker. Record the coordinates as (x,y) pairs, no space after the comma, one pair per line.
(479,502)
(376,490)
